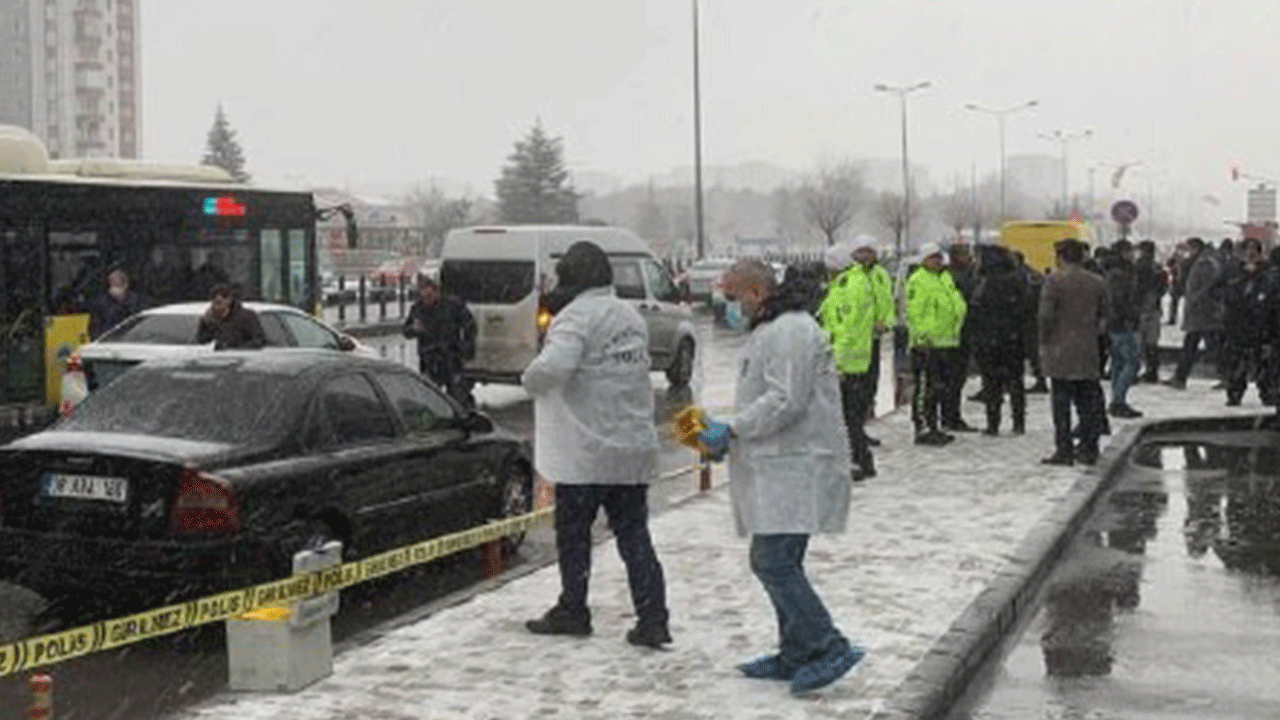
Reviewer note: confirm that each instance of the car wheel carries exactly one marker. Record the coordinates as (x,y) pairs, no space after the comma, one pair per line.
(681,370)
(516,499)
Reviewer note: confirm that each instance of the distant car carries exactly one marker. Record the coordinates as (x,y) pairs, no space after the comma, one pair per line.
(170,331)
(191,474)
(704,280)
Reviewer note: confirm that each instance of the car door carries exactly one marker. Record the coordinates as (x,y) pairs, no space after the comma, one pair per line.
(666,314)
(629,283)
(454,480)
(366,462)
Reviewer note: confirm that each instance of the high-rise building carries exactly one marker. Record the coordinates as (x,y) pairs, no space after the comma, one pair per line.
(69,73)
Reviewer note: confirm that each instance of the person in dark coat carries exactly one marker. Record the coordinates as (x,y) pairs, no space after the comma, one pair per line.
(1176,268)
(997,327)
(228,324)
(965,277)
(446,334)
(1124,315)
(1034,281)
(1073,305)
(1202,310)
(113,306)
(1153,283)
(1247,301)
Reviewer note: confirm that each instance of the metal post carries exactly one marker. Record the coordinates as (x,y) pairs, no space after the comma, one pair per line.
(382,297)
(401,292)
(697,140)
(1003,212)
(491,557)
(361,297)
(41,687)
(342,299)
(704,475)
(906,181)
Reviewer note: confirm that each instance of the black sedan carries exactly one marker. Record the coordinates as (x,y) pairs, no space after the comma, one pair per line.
(211,472)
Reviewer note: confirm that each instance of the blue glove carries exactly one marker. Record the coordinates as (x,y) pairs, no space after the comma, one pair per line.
(716,439)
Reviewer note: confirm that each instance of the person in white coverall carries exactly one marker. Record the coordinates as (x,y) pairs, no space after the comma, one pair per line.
(789,468)
(596,441)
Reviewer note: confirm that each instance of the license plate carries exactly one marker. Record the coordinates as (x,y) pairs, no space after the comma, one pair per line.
(86,487)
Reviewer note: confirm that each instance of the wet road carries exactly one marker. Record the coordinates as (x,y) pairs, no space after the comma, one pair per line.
(1168,604)
(150,679)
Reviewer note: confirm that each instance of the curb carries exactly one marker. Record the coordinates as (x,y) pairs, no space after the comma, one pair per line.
(945,672)
(943,676)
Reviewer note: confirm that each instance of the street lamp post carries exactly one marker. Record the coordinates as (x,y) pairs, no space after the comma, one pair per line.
(697,141)
(1001,114)
(902,92)
(1066,139)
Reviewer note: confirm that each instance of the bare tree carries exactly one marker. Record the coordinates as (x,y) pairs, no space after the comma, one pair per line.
(957,211)
(437,214)
(891,212)
(832,198)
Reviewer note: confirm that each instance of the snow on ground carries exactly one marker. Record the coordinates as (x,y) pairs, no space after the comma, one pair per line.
(924,538)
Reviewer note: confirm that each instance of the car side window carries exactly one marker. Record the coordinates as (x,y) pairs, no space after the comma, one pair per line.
(350,413)
(660,283)
(273,328)
(628,280)
(308,333)
(421,407)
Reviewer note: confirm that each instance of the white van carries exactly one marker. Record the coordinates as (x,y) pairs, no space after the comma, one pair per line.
(504,272)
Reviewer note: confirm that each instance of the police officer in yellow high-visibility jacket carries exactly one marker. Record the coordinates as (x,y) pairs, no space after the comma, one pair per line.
(882,291)
(935,314)
(848,313)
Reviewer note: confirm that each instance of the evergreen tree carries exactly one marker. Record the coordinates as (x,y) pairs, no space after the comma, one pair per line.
(222,149)
(535,187)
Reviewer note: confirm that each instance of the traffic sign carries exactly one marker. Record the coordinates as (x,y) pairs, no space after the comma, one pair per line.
(1124,212)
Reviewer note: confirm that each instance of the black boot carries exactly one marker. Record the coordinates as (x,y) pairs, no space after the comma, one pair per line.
(1152,372)
(993,418)
(562,621)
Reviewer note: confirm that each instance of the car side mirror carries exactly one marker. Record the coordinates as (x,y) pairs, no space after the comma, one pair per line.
(476,423)
(346,343)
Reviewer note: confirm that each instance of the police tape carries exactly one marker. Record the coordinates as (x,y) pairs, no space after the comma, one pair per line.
(45,650)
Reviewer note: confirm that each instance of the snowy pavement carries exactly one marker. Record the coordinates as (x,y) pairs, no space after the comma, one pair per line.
(925,537)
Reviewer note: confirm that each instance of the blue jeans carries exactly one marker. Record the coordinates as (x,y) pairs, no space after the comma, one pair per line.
(1124,365)
(805,630)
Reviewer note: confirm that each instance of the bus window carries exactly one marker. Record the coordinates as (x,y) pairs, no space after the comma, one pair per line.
(271,268)
(297,266)
(75,271)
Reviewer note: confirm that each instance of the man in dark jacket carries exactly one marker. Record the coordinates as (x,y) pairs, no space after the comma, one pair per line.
(1124,312)
(997,326)
(1247,303)
(228,324)
(965,277)
(1153,282)
(1034,281)
(111,307)
(446,335)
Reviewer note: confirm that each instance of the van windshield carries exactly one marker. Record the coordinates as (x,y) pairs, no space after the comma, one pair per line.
(487,281)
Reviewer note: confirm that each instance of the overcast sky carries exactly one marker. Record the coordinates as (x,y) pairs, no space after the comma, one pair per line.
(359,91)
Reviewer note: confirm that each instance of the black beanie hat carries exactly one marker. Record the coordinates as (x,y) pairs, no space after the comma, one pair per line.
(584,266)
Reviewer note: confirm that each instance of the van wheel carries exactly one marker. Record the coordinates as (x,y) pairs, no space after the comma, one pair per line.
(681,370)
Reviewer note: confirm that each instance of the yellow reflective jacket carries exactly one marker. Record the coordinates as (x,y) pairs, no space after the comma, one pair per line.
(883,286)
(848,314)
(935,309)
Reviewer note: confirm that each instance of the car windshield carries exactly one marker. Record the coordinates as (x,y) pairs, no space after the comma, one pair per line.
(210,402)
(155,329)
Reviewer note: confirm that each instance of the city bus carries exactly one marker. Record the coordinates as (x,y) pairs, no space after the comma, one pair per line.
(174,230)
(1035,239)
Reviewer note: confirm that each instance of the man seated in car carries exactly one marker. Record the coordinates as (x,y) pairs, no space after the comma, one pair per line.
(228,324)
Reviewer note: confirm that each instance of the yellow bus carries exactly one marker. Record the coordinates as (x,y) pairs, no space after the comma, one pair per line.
(1035,239)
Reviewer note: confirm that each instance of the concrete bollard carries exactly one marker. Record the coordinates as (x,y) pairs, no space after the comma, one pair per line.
(41,687)
(285,649)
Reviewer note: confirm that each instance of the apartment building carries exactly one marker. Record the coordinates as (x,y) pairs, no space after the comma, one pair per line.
(69,73)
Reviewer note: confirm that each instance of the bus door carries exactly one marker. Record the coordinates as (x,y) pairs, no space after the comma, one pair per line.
(76,277)
(21,317)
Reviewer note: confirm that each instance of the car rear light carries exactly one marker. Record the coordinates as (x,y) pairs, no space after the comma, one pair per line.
(543,320)
(204,505)
(74,364)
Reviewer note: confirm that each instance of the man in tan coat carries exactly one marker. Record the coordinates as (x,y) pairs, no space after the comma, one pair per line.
(1073,303)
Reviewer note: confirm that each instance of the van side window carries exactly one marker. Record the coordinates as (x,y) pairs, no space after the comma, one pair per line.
(627,280)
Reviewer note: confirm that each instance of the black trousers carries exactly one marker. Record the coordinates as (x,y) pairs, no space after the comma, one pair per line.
(1190,349)
(627,508)
(854,397)
(1090,405)
(957,373)
(1242,362)
(869,388)
(445,370)
(933,370)
(1001,375)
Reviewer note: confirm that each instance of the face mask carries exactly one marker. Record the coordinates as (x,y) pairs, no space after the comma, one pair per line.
(116,292)
(734,318)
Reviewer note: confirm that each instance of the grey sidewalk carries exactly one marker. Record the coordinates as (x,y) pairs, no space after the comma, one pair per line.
(925,537)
